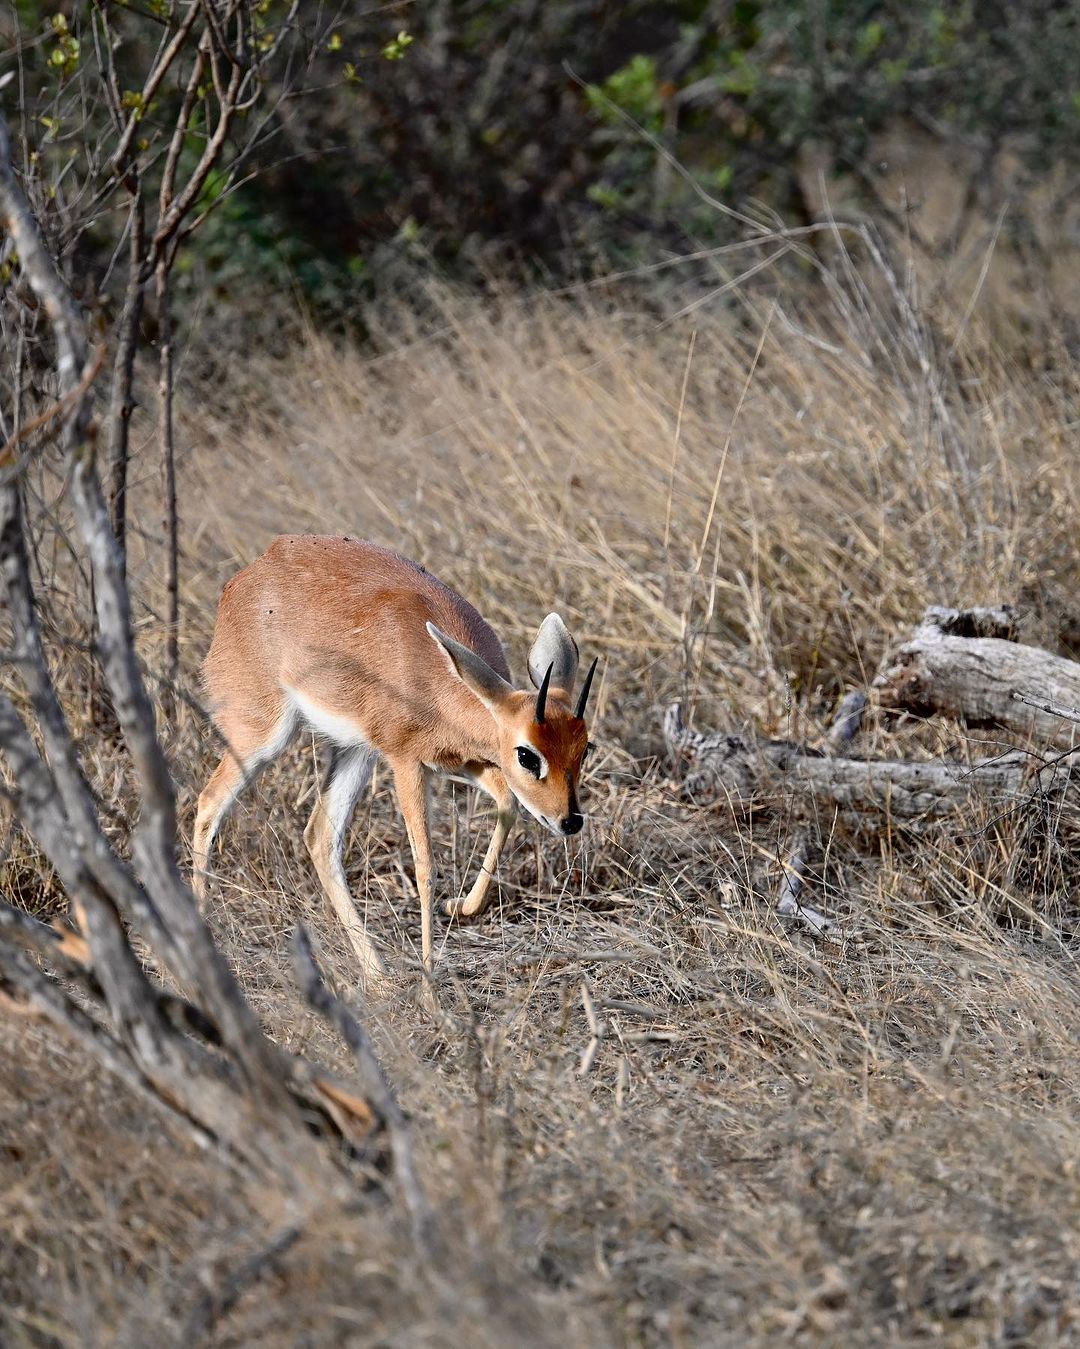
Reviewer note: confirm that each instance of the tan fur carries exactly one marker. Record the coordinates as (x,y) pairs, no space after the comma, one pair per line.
(332,631)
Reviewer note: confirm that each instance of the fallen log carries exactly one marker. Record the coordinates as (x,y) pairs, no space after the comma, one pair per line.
(750,771)
(966,664)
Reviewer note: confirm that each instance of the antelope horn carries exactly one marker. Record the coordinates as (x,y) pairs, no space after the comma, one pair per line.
(541,697)
(583,700)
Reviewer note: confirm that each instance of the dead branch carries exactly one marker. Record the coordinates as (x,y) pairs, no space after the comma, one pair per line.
(597,1030)
(962,663)
(997,620)
(29,989)
(38,423)
(843,730)
(1044,705)
(65,951)
(218,57)
(218,1302)
(121,397)
(376,1087)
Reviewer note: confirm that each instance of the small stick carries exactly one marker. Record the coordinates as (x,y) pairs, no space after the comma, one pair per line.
(622,1084)
(787,901)
(60,407)
(843,730)
(1044,705)
(217,1303)
(846,724)
(597,1027)
(631,1009)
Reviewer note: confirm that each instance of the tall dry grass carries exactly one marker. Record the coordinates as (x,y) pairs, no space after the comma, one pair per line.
(867,1141)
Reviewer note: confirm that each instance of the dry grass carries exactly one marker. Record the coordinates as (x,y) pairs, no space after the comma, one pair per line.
(868,1141)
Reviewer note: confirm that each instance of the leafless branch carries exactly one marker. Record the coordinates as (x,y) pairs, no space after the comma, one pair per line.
(376,1087)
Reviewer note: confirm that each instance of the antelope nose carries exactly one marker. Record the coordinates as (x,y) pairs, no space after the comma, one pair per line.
(572,824)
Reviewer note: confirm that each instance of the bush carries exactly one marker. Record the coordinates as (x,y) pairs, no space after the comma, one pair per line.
(484,132)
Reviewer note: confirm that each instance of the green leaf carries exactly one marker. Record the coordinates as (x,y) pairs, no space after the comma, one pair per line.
(635,89)
(869,39)
(396,48)
(604,196)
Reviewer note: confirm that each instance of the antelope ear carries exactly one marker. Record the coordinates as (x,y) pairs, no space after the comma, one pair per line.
(473,671)
(554,648)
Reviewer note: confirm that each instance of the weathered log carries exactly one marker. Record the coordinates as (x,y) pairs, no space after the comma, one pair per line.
(984,680)
(749,771)
(999,620)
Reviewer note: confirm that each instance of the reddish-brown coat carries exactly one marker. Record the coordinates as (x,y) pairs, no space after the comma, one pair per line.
(343,622)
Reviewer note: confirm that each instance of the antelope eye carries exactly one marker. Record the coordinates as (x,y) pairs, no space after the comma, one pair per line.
(529,760)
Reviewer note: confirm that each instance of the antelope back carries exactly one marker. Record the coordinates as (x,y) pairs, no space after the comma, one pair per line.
(338,625)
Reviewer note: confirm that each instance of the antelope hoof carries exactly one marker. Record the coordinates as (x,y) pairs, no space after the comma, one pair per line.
(198,888)
(463,908)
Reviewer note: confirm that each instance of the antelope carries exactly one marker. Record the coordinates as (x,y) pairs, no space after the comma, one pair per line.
(371,652)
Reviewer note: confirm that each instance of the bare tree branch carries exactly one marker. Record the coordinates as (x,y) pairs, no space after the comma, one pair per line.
(376,1088)
(25,985)
(121,398)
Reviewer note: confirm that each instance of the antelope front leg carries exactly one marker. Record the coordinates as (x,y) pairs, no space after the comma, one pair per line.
(492,782)
(411,784)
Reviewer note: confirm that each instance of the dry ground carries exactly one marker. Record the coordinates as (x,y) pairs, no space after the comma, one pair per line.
(865,1141)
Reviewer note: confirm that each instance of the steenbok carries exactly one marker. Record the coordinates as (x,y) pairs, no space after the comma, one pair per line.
(369,650)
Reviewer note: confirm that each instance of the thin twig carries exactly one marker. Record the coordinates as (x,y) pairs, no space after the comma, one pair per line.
(596,1026)
(845,726)
(1045,705)
(212,1306)
(59,409)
